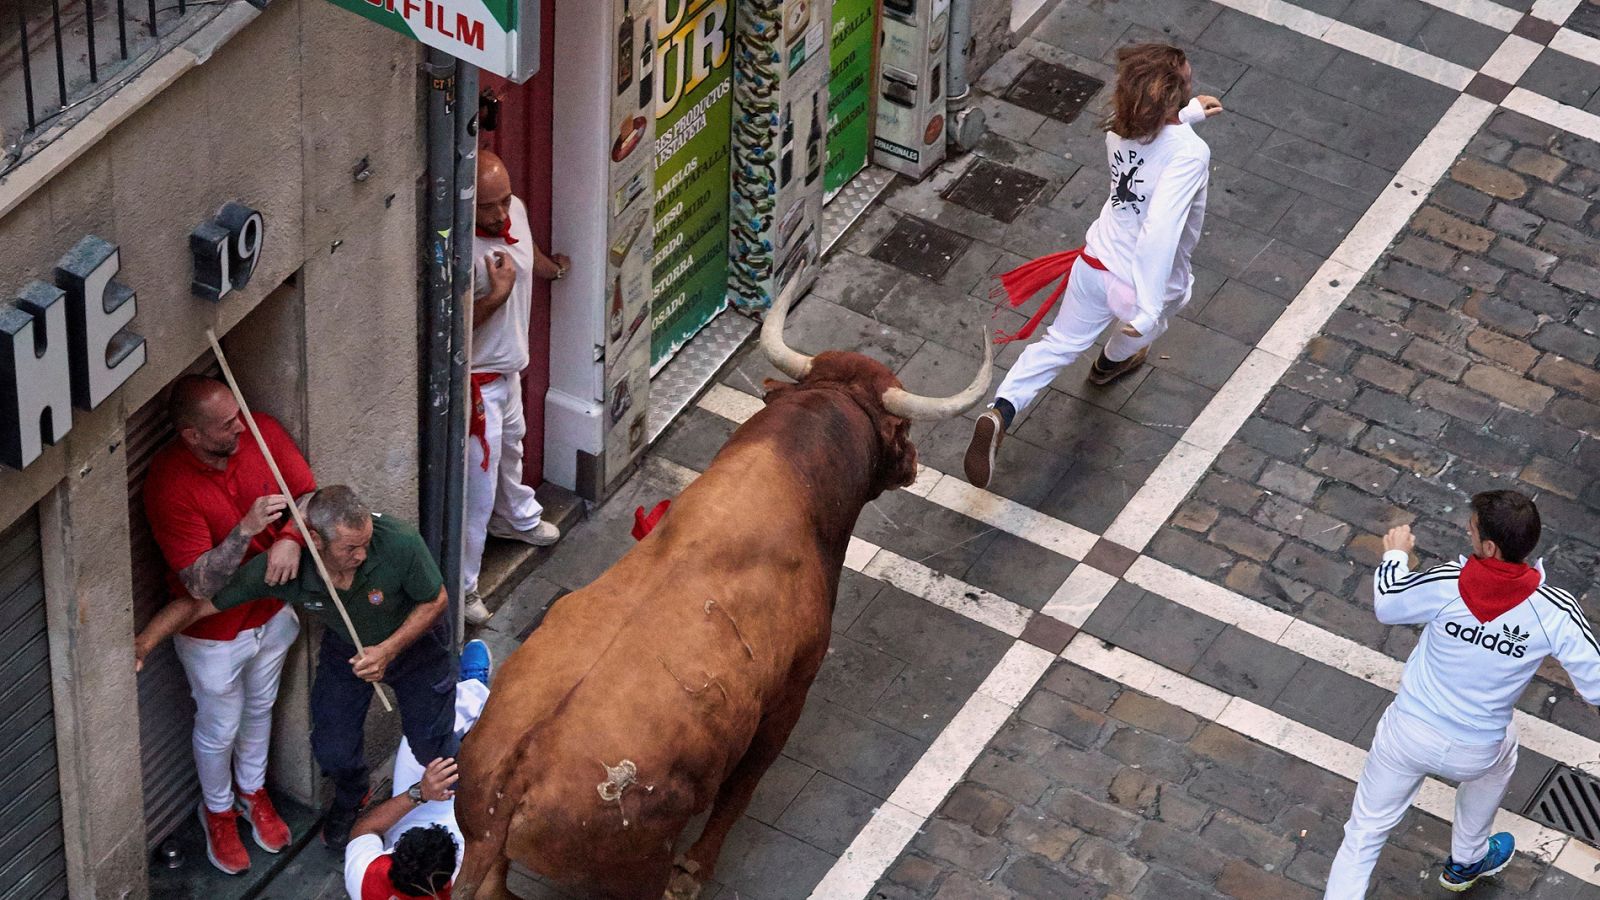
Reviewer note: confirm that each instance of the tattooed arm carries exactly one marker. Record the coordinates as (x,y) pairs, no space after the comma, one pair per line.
(206,575)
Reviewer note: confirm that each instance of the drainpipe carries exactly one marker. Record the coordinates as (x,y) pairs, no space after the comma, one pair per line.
(465,215)
(438,74)
(452,133)
(966,122)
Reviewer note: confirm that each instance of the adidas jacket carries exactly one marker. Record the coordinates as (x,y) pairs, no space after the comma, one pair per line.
(1465,676)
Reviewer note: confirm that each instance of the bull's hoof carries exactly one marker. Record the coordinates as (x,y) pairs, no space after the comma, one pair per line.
(684,885)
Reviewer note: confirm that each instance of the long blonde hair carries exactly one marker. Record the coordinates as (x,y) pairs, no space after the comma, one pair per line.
(1150,89)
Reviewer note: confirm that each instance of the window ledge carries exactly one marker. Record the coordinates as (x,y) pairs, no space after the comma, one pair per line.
(36,171)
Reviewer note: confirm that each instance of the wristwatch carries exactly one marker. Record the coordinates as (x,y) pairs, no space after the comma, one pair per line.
(415,793)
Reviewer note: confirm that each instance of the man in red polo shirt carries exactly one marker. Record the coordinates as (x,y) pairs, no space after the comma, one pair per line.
(213,504)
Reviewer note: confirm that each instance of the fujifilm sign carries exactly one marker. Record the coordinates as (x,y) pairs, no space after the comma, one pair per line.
(499,36)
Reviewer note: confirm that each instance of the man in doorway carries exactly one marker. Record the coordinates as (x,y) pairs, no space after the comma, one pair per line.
(394,594)
(506,262)
(410,844)
(213,505)
(1134,265)
(1488,622)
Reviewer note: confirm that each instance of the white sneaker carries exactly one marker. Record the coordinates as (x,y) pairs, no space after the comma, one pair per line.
(476,612)
(541,535)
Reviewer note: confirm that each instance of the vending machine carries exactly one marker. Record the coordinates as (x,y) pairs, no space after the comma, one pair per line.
(910,136)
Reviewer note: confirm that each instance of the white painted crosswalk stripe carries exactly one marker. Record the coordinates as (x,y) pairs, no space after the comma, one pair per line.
(1303,742)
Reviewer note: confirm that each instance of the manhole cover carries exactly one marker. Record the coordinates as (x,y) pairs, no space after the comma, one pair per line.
(920,247)
(998,191)
(1052,90)
(1568,801)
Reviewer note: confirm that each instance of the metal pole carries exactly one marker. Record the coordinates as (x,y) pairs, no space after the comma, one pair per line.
(965,123)
(466,208)
(439,211)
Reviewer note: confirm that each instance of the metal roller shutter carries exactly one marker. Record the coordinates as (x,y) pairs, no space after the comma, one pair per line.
(166,711)
(32,861)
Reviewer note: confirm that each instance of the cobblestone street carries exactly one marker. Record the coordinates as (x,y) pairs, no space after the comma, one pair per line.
(1143,662)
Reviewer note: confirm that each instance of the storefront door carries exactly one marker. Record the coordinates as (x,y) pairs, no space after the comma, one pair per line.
(522,138)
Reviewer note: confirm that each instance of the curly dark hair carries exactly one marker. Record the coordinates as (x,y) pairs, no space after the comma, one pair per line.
(424,861)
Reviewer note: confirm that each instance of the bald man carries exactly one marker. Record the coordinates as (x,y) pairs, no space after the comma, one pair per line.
(506,262)
(213,505)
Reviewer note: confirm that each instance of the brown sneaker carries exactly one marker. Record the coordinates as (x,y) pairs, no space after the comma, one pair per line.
(986,438)
(1104,371)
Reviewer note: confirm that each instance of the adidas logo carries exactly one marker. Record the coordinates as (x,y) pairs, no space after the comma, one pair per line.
(1509,641)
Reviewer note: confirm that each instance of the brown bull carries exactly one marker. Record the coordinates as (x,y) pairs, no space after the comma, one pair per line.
(671,683)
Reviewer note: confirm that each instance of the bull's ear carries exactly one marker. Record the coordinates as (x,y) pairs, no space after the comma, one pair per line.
(773,388)
(900,455)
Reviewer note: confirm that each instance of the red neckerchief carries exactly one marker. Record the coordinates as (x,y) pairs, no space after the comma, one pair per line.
(503,234)
(375,884)
(1490,587)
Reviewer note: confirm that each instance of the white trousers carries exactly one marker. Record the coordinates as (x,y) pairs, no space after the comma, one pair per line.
(1083,315)
(1405,750)
(234,684)
(498,492)
(471,695)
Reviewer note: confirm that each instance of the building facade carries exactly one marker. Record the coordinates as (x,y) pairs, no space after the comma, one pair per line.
(300,113)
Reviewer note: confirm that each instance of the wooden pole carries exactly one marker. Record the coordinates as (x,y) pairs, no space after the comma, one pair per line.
(294,508)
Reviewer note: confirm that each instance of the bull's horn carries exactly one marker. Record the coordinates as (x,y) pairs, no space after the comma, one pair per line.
(907,405)
(784,358)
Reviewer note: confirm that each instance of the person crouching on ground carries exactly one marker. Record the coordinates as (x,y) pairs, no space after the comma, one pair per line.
(1134,266)
(410,846)
(1488,622)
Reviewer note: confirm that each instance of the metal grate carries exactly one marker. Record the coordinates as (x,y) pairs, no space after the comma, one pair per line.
(1568,800)
(1053,90)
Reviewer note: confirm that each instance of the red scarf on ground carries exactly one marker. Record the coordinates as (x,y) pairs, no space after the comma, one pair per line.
(644,524)
(503,234)
(375,884)
(1021,283)
(1491,587)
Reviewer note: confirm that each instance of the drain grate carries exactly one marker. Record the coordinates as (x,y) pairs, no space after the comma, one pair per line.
(998,191)
(1568,801)
(1053,90)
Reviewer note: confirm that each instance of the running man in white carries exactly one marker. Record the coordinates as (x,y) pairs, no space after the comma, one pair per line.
(1488,621)
(1134,267)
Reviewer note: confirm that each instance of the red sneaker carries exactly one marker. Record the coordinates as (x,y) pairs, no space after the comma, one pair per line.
(271,834)
(223,846)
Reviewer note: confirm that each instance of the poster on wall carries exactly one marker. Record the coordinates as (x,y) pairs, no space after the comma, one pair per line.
(693,103)
(628,278)
(780,110)
(849,91)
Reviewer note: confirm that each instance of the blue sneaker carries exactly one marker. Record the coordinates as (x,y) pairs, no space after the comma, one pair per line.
(1457,877)
(476,661)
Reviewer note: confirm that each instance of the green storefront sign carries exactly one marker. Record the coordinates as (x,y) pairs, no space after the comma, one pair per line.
(693,103)
(849,91)
(499,36)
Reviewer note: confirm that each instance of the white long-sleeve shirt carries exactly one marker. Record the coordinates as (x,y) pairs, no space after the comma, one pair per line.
(1153,214)
(1465,676)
